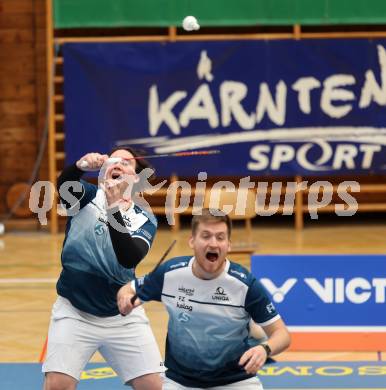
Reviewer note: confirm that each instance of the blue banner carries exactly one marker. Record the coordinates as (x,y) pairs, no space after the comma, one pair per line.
(326,290)
(309,107)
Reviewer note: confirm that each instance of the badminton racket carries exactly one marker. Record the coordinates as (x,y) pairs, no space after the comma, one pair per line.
(180,154)
(113,160)
(135,296)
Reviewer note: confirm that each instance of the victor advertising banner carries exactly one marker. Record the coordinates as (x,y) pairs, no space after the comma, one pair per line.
(326,292)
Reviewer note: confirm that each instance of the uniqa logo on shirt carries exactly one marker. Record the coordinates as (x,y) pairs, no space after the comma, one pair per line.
(220,295)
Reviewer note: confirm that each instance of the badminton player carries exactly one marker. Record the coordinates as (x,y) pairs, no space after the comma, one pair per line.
(210,301)
(97,261)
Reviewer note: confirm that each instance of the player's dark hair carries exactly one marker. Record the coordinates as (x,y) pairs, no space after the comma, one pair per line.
(140,163)
(211,216)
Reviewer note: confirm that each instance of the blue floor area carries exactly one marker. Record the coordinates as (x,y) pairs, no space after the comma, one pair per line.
(293,375)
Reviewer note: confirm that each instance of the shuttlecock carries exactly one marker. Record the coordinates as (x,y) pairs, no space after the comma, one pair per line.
(110,160)
(190,24)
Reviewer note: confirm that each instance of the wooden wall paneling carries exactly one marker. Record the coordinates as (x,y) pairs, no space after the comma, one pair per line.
(3,192)
(14,120)
(16,6)
(17,134)
(18,93)
(20,51)
(52,168)
(15,36)
(17,156)
(16,107)
(15,65)
(41,80)
(15,21)
(16,89)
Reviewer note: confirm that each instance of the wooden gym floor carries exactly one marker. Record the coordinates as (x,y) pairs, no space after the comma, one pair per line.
(30,265)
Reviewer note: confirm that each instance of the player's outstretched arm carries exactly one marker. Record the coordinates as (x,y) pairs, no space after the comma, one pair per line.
(148,288)
(69,192)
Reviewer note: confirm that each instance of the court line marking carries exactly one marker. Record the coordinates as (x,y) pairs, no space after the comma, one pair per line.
(27,280)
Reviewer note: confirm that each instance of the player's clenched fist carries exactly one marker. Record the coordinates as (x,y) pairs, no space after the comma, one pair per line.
(124,300)
(91,161)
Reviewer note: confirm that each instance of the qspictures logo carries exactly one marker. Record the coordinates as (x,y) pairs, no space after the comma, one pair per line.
(180,195)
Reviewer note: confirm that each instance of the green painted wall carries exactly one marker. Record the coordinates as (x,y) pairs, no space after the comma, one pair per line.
(146,13)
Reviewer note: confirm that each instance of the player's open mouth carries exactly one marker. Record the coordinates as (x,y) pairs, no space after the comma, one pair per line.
(115,175)
(211,256)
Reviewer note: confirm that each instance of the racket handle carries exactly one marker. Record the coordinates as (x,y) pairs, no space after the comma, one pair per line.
(133,298)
